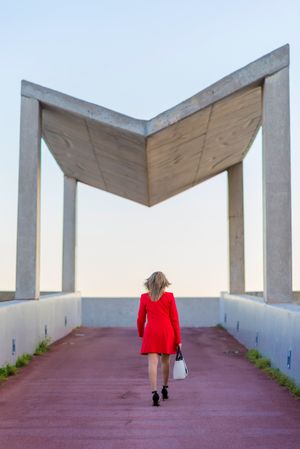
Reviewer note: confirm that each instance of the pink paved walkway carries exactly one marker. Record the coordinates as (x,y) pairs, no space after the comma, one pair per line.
(91,391)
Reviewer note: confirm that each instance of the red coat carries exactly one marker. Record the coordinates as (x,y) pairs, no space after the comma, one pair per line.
(162,332)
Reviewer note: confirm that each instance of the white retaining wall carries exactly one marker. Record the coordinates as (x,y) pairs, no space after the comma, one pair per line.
(272,329)
(24,322)
(107,312)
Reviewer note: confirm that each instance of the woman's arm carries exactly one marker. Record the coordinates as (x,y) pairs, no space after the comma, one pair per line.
(141,317)
(175,320)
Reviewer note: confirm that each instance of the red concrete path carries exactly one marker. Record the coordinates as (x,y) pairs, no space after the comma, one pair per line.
(91,391)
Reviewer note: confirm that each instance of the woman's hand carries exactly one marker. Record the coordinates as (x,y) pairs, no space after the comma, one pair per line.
(179,344)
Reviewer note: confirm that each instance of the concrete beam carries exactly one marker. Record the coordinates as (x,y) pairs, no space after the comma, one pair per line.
(236,229)
(69,235)
(83,108)
(251,74)
(28,228)
(277,231)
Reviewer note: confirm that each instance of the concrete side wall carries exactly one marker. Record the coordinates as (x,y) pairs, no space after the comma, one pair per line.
(108,312)
(273,329)
(24,321)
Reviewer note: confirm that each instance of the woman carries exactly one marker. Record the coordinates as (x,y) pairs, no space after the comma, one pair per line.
(161,336)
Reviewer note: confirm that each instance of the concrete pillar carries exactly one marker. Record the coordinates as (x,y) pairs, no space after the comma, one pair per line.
(28,226)
(69,235)
(277,230)
(236,229)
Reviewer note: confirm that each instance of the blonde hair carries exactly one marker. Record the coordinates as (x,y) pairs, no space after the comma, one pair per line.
(155,284)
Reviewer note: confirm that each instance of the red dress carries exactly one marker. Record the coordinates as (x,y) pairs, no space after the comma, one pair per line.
(162,331)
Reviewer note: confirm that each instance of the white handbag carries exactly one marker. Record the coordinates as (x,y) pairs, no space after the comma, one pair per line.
(180,370)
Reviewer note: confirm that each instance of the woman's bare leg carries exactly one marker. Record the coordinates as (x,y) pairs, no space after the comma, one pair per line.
(152,369)
(165,365)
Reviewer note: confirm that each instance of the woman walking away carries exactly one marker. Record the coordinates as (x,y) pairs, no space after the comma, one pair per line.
(161,335)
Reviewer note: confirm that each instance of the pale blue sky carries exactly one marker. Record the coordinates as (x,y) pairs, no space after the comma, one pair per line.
(141,58)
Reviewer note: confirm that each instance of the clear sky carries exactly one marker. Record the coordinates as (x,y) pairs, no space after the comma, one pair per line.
(141,58)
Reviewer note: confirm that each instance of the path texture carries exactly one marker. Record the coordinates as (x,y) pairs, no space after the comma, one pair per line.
(91,391)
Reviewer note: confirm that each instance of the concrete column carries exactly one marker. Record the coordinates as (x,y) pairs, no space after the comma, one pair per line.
(236,229)
(69,235)
(28,227)
(277,230)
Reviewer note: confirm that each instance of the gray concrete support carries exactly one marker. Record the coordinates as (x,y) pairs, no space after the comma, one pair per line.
(277,230)
(236,229)
(28,227)
(69,235)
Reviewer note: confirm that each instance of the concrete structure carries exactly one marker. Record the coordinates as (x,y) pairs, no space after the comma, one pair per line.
(236,244)
(69,235)
(28,235)
(149,161)
(277,234)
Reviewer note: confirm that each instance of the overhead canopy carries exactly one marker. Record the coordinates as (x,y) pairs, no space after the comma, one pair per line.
(149,161)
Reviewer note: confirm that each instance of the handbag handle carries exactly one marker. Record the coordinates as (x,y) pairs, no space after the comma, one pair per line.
(179,355)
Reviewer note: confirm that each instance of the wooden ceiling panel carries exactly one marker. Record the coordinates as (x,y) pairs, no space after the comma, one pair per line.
(122,146)
(232,127)
(226,130)
(173,154)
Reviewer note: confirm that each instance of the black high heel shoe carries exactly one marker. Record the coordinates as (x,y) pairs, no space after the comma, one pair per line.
(164,392)
(155,398)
